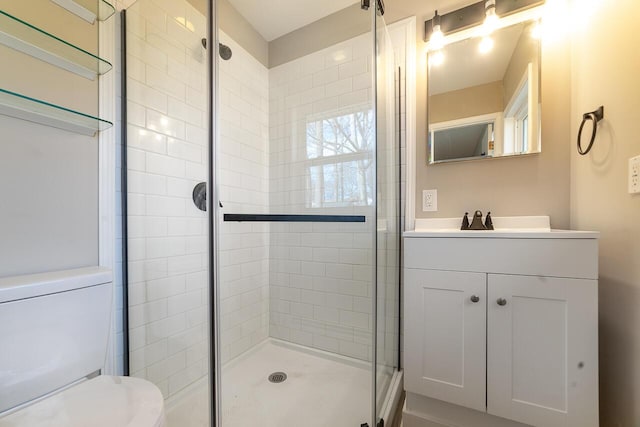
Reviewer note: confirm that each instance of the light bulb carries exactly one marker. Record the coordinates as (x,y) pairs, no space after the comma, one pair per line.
(436,58)
(486,44)
(536,31)
(436,41)
(491,19)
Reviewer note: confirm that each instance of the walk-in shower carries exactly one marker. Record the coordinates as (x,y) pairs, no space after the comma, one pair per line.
(278,304)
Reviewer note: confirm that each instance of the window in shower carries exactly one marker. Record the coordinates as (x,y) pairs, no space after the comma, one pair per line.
(341,171)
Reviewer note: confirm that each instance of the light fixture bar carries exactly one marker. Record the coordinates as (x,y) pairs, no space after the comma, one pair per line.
(533,13)
(475,14)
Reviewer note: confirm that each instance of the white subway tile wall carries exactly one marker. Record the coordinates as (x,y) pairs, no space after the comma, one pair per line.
(244,188)
(166,158)
(320,273)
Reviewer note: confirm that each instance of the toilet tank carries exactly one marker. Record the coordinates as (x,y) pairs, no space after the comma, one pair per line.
(54,329)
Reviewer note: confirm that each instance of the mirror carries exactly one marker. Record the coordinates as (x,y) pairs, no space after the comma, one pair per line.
(484,96)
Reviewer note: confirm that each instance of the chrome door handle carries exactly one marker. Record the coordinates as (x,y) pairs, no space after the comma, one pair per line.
(502,301)
(475,298)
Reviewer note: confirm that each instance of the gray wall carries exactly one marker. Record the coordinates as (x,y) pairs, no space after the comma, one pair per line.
(48,177)
(238,28)
(340,26)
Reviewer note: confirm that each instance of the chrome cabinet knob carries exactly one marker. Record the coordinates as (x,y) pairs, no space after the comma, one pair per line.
(475,298)
(502,301)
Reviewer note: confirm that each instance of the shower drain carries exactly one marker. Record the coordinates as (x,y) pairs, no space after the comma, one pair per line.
(277,377)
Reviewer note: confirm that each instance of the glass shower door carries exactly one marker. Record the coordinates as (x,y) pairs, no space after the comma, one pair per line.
(388,212)
(297,223)
(166,159)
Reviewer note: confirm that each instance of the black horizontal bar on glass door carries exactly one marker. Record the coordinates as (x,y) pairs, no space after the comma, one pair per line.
(292,218)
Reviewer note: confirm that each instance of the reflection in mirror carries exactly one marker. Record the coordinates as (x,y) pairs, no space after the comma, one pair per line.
(484,96)
(457,140)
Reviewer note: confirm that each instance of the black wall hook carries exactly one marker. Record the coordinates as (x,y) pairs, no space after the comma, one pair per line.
(595,117)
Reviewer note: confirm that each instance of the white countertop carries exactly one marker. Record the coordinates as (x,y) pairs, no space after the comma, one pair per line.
(504,234)
(525,227)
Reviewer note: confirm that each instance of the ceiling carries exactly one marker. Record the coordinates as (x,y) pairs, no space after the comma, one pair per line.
(275,18)
(464,66)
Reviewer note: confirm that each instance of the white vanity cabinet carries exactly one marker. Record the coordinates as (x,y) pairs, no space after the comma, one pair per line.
(501,329)
(445,336)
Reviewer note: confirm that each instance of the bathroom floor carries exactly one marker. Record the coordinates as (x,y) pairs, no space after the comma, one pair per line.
(320,390)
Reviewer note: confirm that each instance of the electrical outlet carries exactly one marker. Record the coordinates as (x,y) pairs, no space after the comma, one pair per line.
(634,175)
(429,200)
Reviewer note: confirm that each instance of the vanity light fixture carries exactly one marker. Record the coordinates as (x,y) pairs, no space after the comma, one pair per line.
(491,19)
(436,41)
(478,19)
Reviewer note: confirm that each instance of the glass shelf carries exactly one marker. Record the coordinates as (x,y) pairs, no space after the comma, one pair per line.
(26,38)
(34,110)
(88,10)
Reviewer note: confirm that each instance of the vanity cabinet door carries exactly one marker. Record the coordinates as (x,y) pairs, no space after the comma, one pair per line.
(445,336)
(542,352)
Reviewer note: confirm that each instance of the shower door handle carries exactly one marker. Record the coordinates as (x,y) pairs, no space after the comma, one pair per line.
(199,196)
(292,218)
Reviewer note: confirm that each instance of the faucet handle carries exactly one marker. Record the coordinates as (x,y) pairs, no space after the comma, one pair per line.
(488,222)
(465,222)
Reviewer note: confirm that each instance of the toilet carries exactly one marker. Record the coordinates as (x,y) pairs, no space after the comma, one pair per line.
(54,330)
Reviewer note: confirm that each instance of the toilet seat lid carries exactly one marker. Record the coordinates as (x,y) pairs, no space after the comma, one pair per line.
(103,401)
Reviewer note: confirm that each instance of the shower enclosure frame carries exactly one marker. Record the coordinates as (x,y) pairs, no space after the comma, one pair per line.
(213,207)
(215,365)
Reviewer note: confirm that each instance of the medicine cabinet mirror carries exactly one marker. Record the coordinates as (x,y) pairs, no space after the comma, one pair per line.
(484,95)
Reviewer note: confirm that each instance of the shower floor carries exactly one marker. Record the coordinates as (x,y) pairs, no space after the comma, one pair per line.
(321,389)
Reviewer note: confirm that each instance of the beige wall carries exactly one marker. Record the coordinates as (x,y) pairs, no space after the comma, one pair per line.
(467,102)
(526,52)
(527,185)
(605,72)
